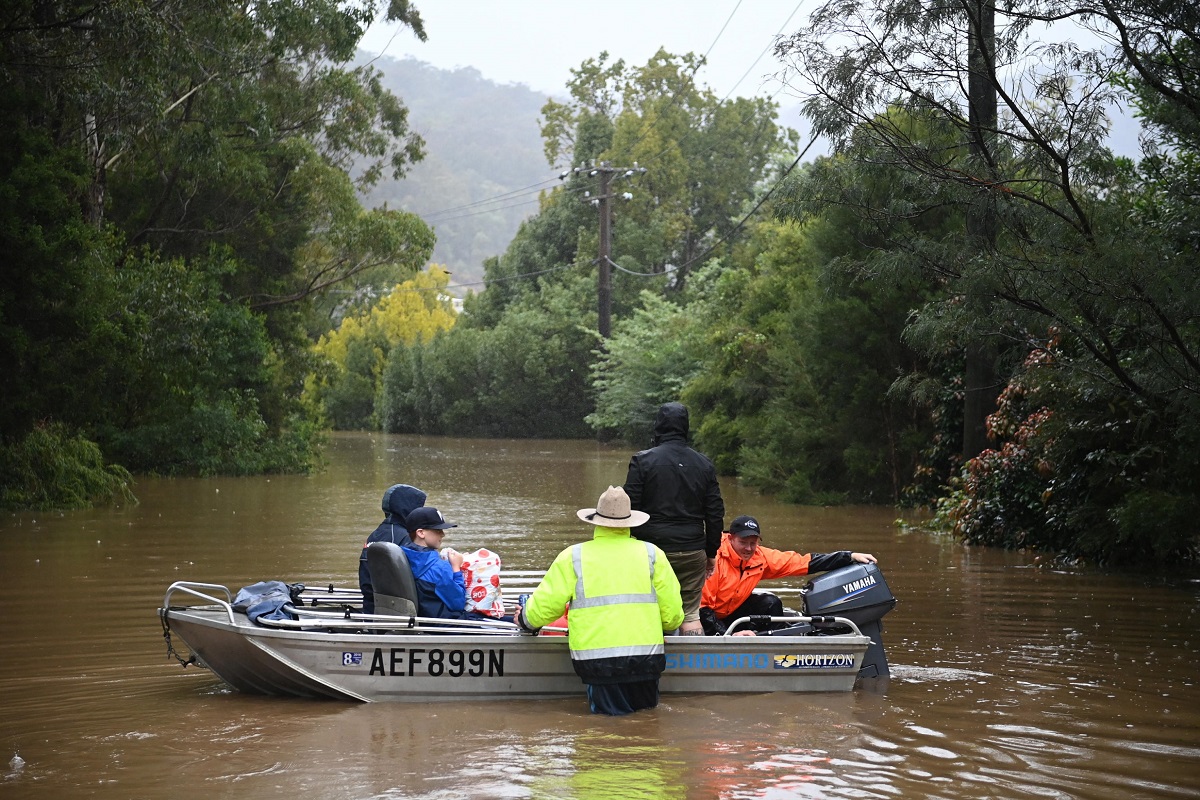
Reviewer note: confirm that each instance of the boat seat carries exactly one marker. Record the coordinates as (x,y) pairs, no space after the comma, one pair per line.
(392,579)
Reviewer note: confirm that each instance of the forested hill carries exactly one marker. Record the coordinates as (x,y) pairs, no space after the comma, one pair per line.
(482,142)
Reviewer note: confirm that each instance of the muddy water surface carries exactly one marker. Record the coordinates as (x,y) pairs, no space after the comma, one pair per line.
(1009,679)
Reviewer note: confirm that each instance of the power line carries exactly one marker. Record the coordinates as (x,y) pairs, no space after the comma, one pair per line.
(703,60)
(498,208)
(732,230)
(480,211)
(486,281)
(494,199)
(736,228)
(745,119)
(764,52)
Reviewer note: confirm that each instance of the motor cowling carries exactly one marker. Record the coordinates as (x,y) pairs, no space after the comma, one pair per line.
(860,594)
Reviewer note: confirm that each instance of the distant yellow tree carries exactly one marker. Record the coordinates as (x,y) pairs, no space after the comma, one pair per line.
(351,358)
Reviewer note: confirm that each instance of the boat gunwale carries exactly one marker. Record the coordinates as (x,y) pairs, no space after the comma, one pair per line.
(347,624)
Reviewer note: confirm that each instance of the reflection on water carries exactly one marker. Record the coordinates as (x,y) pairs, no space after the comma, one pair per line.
(1008,680)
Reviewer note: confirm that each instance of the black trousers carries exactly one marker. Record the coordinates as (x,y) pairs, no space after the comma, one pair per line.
(616,699)
(757,604)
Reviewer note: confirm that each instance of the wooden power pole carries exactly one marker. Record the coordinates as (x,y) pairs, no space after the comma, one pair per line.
(605,172)
(604,265)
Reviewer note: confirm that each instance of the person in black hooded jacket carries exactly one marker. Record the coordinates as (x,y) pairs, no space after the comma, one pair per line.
(399,501)
(677,486)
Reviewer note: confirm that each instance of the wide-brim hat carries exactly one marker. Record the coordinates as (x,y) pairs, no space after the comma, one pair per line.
(613,511)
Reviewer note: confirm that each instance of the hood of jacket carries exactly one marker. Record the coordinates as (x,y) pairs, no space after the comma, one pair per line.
(401,500)
(671,423)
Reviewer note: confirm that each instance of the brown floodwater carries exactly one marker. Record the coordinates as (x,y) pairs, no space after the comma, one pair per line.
(1010,679)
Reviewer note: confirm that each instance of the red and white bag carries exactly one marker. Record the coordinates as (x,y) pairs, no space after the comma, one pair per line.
(481,574)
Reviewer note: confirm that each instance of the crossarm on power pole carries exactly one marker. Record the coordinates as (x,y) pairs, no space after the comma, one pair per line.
(605,171)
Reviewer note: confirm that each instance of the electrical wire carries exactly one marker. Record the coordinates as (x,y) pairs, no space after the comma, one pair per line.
(539,185)
(758,134)
(732,230)
(703,60)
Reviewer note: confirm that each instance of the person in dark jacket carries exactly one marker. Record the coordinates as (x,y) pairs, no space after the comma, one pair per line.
(677,486)
(398,502)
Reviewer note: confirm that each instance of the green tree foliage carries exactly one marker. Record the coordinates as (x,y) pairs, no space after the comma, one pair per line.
(793,391)
(1086,250)
(353,356)
(174,195)
(53,289)
(52,468)
(703,156)
(520,360)
(184,397)
(524,378)
(652,355)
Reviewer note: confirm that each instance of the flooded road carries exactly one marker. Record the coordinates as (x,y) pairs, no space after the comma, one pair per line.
(1009,679)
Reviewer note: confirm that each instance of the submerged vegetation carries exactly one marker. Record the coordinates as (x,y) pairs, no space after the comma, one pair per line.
(52,468)
(175,209)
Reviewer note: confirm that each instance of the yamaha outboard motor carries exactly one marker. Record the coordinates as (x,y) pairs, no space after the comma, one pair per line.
(860,594)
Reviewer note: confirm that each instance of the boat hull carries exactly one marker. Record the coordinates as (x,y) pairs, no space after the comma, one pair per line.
(422,667)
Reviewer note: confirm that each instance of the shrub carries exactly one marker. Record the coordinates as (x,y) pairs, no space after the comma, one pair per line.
(54,467)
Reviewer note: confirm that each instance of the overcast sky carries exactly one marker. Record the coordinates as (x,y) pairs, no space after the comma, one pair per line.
(538,42)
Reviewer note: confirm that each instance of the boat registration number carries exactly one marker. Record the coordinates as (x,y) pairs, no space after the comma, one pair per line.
(432,661)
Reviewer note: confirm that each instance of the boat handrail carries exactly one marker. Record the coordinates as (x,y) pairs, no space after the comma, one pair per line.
(738,623)
(193,587)
(388,622)
(513,582)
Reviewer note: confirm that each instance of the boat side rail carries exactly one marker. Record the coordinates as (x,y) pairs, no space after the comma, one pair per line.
(742,621)
(309,619)
(197,590)
(512,582)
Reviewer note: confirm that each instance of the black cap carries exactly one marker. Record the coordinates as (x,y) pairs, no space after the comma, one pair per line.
(741,526)
(426,517)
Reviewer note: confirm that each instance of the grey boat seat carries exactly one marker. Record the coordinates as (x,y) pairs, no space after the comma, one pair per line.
(391,575)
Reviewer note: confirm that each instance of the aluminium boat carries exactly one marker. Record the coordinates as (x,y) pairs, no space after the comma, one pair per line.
(323,646)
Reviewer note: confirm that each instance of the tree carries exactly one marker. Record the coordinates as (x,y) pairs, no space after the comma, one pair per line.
(151,150)
(354,354)
(703,156)
(525,378)
(652,355)
(1079,255)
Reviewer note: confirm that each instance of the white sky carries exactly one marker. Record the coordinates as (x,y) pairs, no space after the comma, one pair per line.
(538,42)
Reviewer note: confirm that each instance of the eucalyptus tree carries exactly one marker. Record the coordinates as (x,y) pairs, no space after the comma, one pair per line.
(1087,263)
(152,149)
(703,156)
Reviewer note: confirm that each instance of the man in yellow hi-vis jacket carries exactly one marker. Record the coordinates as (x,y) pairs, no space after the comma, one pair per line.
(623,594)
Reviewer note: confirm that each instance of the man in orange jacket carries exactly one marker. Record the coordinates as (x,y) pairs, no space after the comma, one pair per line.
(742,563)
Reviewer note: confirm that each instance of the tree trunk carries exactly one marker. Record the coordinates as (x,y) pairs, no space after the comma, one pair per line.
(980,382)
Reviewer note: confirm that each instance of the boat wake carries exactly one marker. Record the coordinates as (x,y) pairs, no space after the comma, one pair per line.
(909,674)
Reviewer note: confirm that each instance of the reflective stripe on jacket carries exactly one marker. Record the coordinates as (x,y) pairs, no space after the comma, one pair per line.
(733,580)
(623,594)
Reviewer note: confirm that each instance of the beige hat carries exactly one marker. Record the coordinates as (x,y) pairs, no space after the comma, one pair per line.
(612,511)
